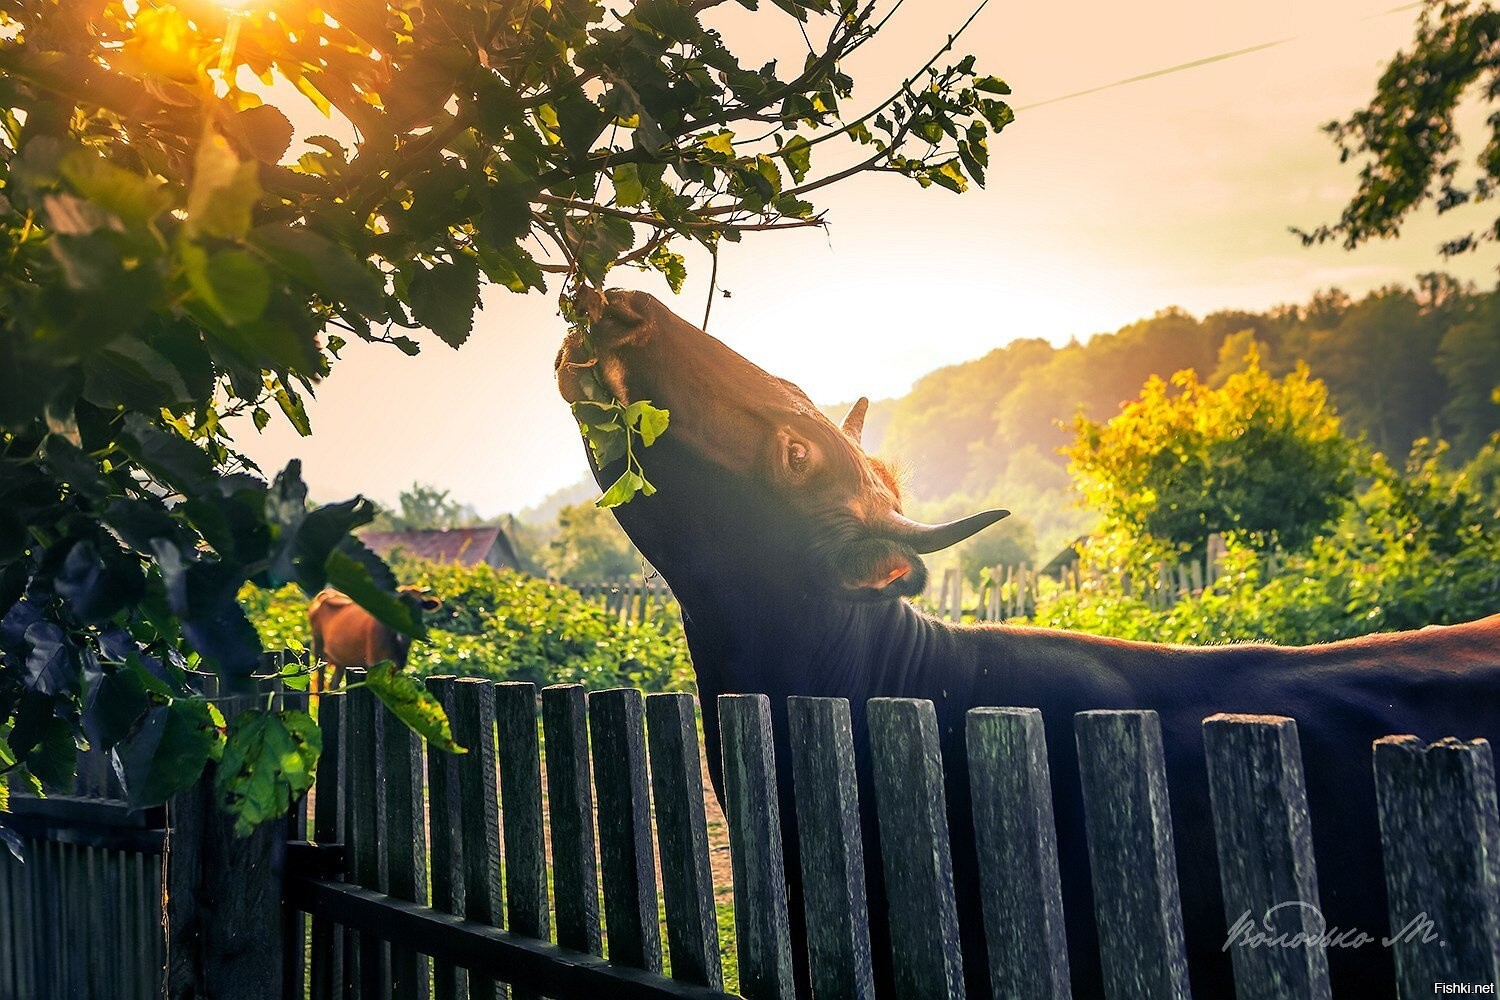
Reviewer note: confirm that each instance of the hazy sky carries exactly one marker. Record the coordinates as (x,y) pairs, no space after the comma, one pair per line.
(1100,210)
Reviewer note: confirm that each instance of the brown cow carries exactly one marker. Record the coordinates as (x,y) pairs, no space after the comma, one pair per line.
(788,552)
(346,635)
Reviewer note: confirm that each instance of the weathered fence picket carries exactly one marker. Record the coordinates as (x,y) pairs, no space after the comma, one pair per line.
(1441,838)
(762,931)
(682,837)
(445,847)
(832,854)
(362,822)
(575,885)
(1134,867)
(521,810)
(473,726)
(325,971)
(1011,790)
(617,725)
(914,847)
(403,843)
(1264,838)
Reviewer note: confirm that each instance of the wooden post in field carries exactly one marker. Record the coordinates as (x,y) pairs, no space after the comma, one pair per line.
(223,915)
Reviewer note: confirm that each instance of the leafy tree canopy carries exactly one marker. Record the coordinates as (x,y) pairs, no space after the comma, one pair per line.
(169,264)
(1260,460)
(1406,138)
(590,545)
(425,507)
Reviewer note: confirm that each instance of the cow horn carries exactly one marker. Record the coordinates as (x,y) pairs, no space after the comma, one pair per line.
(854,423)
(932,537)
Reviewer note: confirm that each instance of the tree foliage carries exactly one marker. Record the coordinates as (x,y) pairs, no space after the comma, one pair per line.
(1406,137)
(171,261)
(1418,547)
(590,545)
(1259,459)
(1400,364)
(425,507)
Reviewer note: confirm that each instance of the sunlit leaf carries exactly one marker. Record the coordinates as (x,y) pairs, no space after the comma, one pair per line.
(413,704)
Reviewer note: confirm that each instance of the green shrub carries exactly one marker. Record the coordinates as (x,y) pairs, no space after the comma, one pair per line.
(1419,546)
(509,626)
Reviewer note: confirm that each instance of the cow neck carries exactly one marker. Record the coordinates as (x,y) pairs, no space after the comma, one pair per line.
(782,644)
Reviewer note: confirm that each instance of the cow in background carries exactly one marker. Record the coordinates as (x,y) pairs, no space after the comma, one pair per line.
(786,547)
(346,635)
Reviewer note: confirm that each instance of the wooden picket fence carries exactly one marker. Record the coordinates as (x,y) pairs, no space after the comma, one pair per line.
(1013,591)
(80,893)
(430,875)
(633,599)
(388,929)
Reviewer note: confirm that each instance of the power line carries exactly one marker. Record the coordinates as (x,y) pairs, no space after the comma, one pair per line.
(1205,61)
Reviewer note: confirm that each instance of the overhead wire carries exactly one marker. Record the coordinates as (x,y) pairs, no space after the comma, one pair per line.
(1206,60)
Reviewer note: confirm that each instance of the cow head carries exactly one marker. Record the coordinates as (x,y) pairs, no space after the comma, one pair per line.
(419,599)
(750,474)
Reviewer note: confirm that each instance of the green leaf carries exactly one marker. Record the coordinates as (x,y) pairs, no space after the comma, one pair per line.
(348,574)
(949,175)
(623,490)
(649,421)
(133,198)
(992,85)
(672,265)
(167,753)
(444,297)
(54,760)
(720,142)
(223,192)
(291,405)
(264,132)
(798,155)
(629,191)
(327,268)
(268,763)
(234,283)
(413,704)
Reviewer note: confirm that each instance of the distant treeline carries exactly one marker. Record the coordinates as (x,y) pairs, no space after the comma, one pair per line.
(1400,364)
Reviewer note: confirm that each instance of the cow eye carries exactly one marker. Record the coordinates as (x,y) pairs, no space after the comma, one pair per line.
(796,456)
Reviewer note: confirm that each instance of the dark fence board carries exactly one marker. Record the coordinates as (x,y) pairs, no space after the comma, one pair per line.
(445,846)
(754,818)
(616,723)
(832,853)
(682,835)
(1266,866)
(575,879)
(1016,835)
(521,811)
(361,795)
(914,848)
(1130,851)
(325,978)
(473,725)
(1441,840)
(403,843)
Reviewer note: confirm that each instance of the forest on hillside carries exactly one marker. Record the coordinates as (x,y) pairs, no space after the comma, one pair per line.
(1401,364)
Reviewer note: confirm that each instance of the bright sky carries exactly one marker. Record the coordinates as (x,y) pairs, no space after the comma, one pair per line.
(1177,190)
